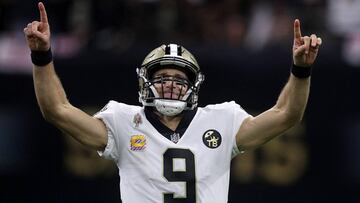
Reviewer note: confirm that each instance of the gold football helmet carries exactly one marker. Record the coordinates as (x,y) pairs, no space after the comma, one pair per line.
(162,57)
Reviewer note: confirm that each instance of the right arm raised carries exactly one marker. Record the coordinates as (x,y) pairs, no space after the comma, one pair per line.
(51,96)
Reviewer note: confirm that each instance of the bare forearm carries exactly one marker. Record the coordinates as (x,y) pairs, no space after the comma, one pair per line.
(287,111)
(293,98)
(49,91)
(57,110)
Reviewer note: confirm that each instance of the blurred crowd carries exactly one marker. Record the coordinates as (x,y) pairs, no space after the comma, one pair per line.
(121,24)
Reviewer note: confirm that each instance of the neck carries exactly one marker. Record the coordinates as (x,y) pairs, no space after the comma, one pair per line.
(170,121)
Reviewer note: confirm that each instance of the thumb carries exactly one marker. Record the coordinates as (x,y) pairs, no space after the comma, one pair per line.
(300,50)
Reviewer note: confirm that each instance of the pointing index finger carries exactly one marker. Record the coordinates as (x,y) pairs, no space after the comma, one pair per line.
(43,15)
(297,31)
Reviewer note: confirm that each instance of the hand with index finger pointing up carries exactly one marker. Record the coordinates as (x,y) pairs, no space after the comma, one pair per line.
(37,33)
(305,48)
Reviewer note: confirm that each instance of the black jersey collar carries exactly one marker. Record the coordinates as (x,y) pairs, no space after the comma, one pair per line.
(188,115)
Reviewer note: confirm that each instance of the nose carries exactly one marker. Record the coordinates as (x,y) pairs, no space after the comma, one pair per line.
(170,84)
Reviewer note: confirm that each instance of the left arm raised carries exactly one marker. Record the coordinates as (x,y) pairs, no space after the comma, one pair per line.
(291,104)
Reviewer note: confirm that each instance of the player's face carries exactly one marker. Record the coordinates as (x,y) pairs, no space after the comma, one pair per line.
(170,83)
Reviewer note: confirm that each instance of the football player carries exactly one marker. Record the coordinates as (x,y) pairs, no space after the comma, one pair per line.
(168,149)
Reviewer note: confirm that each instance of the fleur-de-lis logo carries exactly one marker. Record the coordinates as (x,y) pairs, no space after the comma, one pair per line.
(137,120)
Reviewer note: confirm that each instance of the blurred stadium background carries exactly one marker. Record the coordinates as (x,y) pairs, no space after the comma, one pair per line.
(244,49)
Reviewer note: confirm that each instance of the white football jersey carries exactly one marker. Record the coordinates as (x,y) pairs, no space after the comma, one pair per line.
(154,169)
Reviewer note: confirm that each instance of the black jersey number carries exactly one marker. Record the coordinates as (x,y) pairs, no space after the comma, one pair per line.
(187,175)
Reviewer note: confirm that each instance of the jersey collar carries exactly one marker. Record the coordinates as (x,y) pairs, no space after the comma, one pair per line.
(188,115)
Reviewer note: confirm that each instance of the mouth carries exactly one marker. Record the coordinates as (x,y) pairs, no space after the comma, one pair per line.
(171,95)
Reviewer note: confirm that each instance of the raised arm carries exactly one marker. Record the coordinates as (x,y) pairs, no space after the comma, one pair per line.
(50,94)
(291,104)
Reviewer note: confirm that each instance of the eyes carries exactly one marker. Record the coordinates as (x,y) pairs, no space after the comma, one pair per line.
(171,80)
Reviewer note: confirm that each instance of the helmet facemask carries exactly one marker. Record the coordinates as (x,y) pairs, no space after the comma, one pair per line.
(169,94)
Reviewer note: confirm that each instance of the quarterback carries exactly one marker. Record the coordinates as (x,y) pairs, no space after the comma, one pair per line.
(169,149)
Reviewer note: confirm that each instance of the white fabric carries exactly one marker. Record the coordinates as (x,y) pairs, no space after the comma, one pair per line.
(141,166)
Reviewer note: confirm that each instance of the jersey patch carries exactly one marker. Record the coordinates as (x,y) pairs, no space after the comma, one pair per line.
(137,120)
(212,139)
(137,142)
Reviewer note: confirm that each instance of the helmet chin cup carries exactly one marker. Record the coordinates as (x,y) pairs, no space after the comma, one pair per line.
(169,107)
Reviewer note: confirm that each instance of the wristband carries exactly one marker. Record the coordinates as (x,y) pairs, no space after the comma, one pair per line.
(301,72)
(41,58)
